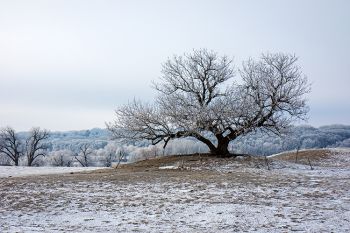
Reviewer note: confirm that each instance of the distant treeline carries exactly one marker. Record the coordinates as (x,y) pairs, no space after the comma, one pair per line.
(299,137)
(257,143)
(64,148)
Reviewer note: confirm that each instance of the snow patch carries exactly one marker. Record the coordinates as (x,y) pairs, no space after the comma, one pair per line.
(13,171)
(168,167)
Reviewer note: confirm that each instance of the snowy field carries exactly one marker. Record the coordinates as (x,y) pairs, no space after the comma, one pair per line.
(11,171)
(222,198)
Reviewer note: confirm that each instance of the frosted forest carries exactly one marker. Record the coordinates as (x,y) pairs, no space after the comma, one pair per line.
(62,147)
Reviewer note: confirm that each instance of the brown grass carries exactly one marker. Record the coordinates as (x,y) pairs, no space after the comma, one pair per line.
(302,156)
(155,163)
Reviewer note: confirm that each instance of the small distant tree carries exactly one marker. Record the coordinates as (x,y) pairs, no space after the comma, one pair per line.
(83,155)
(293,142)
(59,161)
(121,156)
(10,145)
(196,100)
(154,151)
(109,159)
(35,144)
(61,158)
(145,153)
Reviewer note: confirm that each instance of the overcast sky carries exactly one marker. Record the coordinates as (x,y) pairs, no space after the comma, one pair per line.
(67,65)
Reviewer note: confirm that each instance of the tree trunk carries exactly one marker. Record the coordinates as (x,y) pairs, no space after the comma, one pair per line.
(16,162)
(222,148)
(30,161)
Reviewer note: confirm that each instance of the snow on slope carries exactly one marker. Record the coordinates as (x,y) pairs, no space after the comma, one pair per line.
(12,171)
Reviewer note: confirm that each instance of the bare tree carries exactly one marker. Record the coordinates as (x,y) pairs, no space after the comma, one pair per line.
(148,152)
(10,145)
(35,144)
(121,156)
(196,101)
(109,159)
(62,158)
(298,146)
(145,153)
(83,155)
(59,161)
(154,151)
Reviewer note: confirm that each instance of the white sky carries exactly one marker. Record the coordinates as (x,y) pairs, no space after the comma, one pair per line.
(67,64)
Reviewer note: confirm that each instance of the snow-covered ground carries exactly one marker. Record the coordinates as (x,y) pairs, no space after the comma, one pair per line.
(12,171)
(225,198)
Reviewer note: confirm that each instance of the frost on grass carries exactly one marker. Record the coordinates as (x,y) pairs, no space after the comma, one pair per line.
(223,199)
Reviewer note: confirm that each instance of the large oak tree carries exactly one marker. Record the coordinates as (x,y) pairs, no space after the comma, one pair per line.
(198,98)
